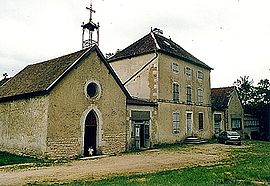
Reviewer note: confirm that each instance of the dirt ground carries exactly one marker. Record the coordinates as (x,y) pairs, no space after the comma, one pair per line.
(124,164)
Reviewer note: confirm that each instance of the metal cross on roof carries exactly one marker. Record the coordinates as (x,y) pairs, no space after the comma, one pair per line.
(92,29)
(5,75)
(90,8)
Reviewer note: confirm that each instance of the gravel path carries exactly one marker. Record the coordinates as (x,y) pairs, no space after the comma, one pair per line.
(146,161)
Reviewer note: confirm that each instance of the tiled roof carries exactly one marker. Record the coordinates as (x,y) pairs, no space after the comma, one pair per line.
(41,77)
(154,42)
(38,77)
(136,101)
(3,81)
(220,97)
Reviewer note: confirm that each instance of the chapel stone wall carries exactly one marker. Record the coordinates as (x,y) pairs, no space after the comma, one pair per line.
(23,126)
(69,106)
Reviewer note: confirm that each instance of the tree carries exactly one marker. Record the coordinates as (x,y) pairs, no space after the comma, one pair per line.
(256,101)
(262,92)
(245,90)
(253,97)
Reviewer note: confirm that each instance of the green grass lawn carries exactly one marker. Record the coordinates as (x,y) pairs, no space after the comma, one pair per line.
(246,166)
(10,159)
(22,162)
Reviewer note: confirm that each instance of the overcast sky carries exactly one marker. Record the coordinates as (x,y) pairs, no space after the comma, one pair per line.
(231,36)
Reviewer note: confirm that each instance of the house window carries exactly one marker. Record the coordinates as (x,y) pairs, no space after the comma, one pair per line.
(189,100)
(200,120)
(188,71)
(251,122)
(200,96)
(175,92)
(176,122)
(236,124)
(200,74)
(175,68)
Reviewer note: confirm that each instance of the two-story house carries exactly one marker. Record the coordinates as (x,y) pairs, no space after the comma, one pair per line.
(157,69)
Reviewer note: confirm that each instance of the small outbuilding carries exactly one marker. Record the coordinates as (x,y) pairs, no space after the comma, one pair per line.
(228,113)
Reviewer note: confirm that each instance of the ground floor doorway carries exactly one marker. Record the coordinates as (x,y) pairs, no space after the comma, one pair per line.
(90,134)
(140,129)
(140,134)
(189,123)
(217,124)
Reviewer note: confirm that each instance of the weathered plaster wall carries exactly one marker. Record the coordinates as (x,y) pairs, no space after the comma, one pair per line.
(165,122)
(153,122)
(156,83)
(23,126)
(144,84)
(235,110)
(167,106)
(167,77)
(69,106)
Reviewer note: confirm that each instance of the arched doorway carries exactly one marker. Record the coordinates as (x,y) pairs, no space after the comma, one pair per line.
(90,134)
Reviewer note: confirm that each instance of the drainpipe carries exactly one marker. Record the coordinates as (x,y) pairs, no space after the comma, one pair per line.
(139,71)
(226,126)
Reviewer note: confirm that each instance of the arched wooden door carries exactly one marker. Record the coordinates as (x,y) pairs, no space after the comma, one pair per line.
(90,134)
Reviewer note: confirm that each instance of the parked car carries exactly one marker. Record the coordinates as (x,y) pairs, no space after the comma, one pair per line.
(229,137)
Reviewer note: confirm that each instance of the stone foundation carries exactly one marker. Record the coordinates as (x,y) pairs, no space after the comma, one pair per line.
(63,148)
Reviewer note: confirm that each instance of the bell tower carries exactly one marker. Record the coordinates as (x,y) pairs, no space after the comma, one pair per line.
(90,30)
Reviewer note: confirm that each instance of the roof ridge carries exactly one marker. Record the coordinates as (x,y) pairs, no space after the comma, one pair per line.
(187,56)
(34,78)
(4,81)
(223,88)
(71,66)
(155,40)
(55,58)
(43,80)
(141,46)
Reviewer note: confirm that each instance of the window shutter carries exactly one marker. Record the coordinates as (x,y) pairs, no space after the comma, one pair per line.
(200,120)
